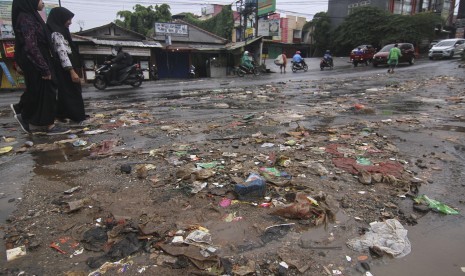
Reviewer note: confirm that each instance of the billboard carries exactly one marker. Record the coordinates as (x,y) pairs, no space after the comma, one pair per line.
(268,27)
(266,6)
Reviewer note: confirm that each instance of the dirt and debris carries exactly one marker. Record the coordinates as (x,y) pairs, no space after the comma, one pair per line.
(269,180)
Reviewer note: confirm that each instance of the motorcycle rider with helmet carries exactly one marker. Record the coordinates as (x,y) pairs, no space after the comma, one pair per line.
(246,61)
(328,58)
(121,60)
(297,59)
(326,61)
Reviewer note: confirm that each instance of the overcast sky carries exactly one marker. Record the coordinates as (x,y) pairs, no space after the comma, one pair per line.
(97,13)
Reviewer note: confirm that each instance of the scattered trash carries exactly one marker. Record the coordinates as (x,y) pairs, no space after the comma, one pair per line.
(245,270)
(94,239)
(65,245)
(267,145)
(210,165)
(231,217)
(72,190)
(276,232)
(253,188)
(197,186)
(5,149)
(178,240)
(363,161)
(14,253)
(9,139)
(126,168)
(76,205)
(198,237)
(389,236)
(304,208)
(79,143)
(112,268)
(104,148)
(225,202)
(93,132)
(29,144)
(436,205)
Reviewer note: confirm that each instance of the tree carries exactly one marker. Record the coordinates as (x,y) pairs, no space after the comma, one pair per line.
(142,19)
(364,25)
(413,28)
(222,24)
(377,27)
(321,25)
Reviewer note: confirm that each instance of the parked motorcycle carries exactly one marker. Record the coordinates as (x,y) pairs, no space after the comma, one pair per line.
(153,72)
(131,75)
(326,63)
(241,71)
(296,66)
(192,71)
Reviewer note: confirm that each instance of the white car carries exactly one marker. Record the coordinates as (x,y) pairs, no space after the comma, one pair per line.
(447,48)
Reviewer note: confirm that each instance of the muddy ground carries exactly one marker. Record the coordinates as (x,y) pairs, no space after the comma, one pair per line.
(150,170)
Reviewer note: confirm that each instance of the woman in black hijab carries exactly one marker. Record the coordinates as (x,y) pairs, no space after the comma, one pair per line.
(70,102)
(33,55)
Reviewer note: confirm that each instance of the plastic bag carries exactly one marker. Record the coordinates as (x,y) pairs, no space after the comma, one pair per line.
(436,205)
(279,60)
(389,236)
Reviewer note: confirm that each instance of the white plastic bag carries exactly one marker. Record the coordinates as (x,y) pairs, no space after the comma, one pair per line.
(279,60)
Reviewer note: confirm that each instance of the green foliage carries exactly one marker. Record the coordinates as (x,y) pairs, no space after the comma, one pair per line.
(363,25)
(321,25)
(142,19)
(375,26)
(222,24)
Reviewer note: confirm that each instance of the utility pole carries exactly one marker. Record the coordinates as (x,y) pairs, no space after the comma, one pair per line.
(59,3)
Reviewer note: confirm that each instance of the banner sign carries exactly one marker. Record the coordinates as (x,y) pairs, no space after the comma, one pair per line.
(171,29)
(268,27)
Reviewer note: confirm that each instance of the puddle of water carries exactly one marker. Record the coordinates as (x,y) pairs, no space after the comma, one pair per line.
(400,107)
(451,128)
(435,245)
(15,173)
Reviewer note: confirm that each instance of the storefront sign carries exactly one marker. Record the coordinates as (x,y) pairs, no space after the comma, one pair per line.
(9,48)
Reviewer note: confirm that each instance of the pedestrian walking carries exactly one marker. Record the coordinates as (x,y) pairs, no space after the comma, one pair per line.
(33,56)
(67,61)
(393,58)
(282,62)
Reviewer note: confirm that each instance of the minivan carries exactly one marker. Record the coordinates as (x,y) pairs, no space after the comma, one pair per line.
(407,50)
(447,48)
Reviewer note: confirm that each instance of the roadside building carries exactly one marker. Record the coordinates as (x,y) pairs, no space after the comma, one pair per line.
(95,47)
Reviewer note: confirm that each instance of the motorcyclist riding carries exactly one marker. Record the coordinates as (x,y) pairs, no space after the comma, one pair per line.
(327,56)
(120,61)
(246,61)
(297,58)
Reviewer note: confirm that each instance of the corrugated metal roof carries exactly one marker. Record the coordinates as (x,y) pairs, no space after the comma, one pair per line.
(236,45)
(107,42)
(145,44)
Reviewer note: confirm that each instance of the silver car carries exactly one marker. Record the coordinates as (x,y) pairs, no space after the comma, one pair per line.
(447,48)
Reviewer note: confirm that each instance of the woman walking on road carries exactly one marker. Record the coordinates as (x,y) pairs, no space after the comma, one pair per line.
(282,62)
(33,55)
(70,102)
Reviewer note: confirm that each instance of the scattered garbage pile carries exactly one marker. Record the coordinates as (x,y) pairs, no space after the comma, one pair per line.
(239,200)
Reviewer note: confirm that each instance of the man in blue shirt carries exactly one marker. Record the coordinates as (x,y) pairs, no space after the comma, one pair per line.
(297,58)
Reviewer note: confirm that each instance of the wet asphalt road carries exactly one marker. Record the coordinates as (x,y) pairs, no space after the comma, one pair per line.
(437,242)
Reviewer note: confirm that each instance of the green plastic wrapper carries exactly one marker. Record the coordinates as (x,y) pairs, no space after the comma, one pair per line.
(436,205)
